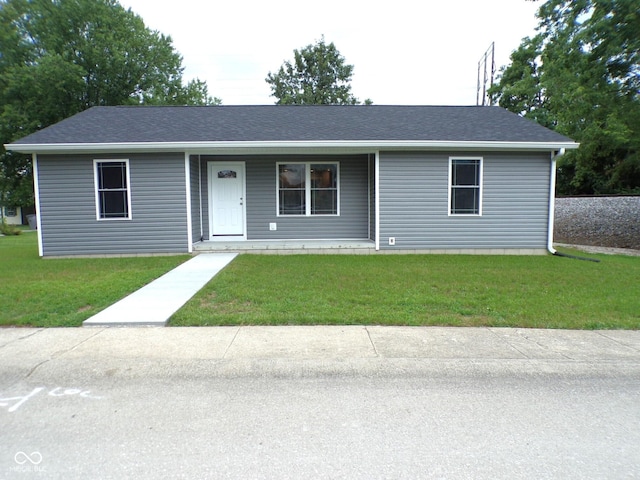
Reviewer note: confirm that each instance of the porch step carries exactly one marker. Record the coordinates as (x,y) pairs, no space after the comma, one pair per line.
(288,246)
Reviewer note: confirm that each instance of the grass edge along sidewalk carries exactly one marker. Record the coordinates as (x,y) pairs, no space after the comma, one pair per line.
(457,290)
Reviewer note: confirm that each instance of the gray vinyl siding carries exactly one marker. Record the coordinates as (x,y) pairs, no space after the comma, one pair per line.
(68,206)
(414,203)
(196,218)
(261,177)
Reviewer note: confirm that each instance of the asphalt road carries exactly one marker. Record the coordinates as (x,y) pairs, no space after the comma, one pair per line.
(91,413)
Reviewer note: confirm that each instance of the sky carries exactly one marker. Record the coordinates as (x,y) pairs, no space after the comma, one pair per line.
(404,52)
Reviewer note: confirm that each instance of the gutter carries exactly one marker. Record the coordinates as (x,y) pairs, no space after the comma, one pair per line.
(552,199)
(354,146)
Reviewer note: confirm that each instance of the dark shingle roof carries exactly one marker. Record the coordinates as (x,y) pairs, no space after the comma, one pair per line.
(292,123)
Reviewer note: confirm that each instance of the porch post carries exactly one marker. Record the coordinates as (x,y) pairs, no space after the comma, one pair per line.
(187,175)
(376,182)
(200,196)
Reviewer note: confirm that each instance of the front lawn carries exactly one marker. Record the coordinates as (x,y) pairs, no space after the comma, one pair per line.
(64,292)
(459,290)
(462,290)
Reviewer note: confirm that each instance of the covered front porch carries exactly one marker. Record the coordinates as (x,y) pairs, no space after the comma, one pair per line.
(282,203)
(283,247)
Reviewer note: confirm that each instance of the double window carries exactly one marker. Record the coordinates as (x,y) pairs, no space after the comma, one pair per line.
(308,188)
(465,186)
(113,196)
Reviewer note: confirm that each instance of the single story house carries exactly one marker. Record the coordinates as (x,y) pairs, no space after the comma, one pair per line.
(368,178)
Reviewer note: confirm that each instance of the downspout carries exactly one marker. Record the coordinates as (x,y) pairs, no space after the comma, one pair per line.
(552,199)
(552,207)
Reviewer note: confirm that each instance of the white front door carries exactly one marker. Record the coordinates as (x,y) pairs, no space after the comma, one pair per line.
(226,199)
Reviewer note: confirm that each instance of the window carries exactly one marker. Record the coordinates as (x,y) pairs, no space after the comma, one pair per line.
(10,212)
(113,199)
(308,189)
(227,174)
(465,182)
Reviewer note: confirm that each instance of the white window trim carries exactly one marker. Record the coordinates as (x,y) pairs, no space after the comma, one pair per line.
(97,194)
(307,191)
(481,180)
(8,210)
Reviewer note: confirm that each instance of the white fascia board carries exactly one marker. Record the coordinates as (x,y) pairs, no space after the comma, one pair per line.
(247,147)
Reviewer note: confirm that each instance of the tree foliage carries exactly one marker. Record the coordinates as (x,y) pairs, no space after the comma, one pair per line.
(59,57)
(317,75)
(581,76)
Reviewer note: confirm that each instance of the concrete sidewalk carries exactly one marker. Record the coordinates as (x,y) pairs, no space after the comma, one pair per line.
(154,303)
(26,348)
(319,402)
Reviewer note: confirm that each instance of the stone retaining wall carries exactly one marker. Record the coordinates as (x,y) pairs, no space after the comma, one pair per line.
(602,221)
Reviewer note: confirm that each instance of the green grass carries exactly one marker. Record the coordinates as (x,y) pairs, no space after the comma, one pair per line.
(64,292)
(458,290)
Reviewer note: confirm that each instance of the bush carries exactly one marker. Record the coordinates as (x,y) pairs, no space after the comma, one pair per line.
(7,229)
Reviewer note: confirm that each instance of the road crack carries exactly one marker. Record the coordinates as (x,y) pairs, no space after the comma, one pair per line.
(59,353)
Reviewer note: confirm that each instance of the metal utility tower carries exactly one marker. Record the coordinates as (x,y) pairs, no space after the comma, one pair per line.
(486,66)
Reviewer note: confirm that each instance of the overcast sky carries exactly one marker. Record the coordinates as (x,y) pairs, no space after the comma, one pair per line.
(405,52)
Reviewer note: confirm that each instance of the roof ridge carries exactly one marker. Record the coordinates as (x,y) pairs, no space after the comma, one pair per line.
(295,106)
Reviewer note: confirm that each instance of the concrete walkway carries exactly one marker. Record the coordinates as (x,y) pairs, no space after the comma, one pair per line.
(90,355)
(154,303)
(305,349)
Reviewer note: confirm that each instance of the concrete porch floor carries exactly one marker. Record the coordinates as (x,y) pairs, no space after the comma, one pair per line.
(287,246)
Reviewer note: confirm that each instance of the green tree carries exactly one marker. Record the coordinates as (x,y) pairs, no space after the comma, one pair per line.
(59,57)
(317,75)
(581,76)
(520,89)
